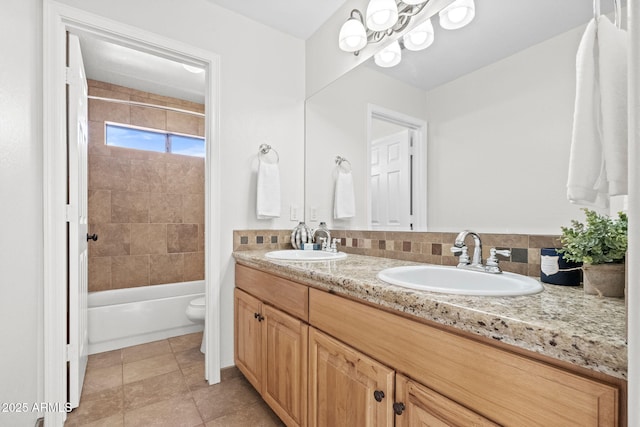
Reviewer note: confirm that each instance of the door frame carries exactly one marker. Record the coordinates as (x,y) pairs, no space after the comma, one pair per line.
(59,18)
(419,178)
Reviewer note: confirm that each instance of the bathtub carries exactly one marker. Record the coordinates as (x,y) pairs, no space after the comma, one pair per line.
(125,317)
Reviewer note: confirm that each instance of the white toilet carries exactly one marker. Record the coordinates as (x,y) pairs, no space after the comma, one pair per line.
(195,313)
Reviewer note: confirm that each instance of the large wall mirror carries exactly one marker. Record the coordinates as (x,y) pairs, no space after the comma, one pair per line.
(496,99)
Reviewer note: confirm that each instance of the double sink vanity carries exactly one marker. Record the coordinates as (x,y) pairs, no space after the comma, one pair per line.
(333,342)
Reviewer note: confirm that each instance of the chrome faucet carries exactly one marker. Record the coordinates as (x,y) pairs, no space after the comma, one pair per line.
(459,248)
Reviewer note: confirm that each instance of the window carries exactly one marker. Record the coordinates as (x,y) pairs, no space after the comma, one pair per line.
(152,140)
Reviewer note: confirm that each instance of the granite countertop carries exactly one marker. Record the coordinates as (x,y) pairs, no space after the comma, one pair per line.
(561,322)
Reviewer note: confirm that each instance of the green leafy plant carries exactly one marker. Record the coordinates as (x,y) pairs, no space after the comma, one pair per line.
(601,240)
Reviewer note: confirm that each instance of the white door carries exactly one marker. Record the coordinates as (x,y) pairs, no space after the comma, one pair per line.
(391,182)
(78,344)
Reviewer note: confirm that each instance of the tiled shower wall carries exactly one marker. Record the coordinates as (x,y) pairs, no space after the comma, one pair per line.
(432,248)
(147,208)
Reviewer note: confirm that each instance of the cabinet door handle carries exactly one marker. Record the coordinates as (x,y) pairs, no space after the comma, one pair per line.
(258,316)
(378,395)
(398,408)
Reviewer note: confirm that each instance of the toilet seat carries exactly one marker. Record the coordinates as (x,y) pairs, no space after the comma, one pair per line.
(197,303)
(196,309)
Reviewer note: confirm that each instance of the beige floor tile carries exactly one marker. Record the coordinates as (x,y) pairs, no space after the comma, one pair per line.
(256,415)
(154,389)
(187,357)
(149,367)
(116,420)
(229,373)
(96,406)
(216,400)
(194,376)
(176,412)
(144,351)
(97,379)
(105,360)
(185,342)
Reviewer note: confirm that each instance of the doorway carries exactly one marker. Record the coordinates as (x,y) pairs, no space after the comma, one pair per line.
(58,20)
(397,173)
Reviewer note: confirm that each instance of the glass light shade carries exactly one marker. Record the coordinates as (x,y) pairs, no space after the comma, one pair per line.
(421,37)
(389,56)
(381,14)
(413,2)
(353,36)
(457,14)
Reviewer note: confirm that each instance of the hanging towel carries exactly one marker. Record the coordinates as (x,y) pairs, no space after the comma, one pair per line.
(268,190)
(612,47)
(344,203)
(597,163)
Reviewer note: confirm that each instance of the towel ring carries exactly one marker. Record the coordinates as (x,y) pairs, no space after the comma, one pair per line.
(342,162)
(616,8)
(265,149)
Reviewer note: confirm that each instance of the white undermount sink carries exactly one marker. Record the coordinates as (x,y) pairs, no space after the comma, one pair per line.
(452,280)
(299,255)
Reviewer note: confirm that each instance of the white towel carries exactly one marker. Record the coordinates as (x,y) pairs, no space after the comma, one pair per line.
(268,190)
(344,202)
(612,43)
(598,159)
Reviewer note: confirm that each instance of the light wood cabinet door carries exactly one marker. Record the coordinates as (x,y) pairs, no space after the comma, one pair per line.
(285,340)
(423,407)
(347,388)
(248,337)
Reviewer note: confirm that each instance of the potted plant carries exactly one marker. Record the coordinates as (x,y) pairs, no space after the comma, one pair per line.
(601,244)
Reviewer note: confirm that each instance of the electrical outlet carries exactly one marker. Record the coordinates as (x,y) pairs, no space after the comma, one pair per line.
(293,212)
(313,213)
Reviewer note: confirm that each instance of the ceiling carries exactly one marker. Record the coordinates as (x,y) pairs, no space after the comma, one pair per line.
(500,28)
(299,18)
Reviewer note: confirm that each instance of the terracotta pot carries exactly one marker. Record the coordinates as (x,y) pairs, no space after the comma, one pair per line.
(606,280)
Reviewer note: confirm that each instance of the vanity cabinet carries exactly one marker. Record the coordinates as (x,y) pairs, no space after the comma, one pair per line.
(330,360)
(271,345)
(420,406)
(347,388)
(507,388)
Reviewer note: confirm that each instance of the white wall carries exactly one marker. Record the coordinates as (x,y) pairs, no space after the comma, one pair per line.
(262,100)
(21,241)
(499,142)
(336,124)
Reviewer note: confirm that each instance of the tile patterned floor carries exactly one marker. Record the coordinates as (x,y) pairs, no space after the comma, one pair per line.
(162,384)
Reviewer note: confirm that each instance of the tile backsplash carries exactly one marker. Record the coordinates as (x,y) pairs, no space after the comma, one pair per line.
(428,247)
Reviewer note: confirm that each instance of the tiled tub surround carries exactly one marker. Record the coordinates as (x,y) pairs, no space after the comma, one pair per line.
(432,248)
(147,208)
(561,322)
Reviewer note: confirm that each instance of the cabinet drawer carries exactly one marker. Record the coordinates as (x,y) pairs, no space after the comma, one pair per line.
(508,388)
(288,296)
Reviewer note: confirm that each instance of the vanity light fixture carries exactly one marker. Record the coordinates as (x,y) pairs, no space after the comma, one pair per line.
(382,14)
(386,17)
(421,37)
(389,56)
(457,14)
(353,36)
(383,18)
